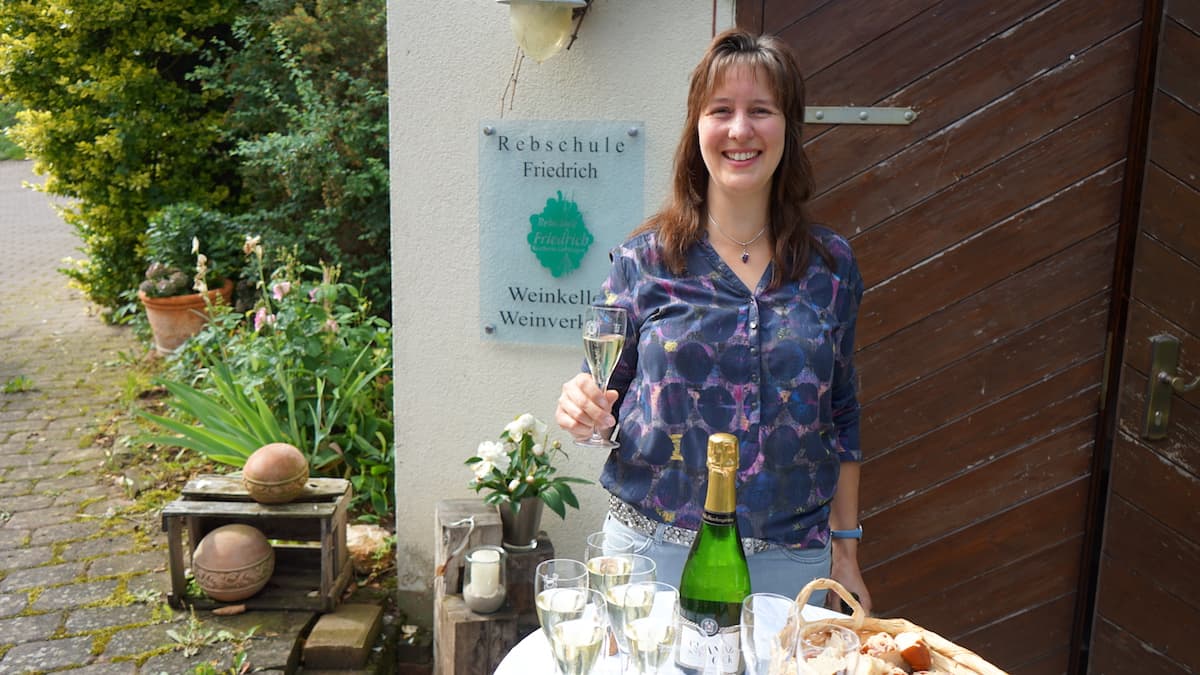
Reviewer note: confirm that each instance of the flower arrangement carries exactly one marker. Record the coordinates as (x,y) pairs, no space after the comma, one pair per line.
(519,465)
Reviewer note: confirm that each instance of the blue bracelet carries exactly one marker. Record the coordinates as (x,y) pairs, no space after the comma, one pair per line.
(856,533)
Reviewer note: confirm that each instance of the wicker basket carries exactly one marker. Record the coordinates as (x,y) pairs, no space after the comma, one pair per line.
(946,656)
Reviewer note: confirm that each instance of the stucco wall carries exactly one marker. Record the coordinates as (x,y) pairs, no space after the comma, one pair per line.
(449,63)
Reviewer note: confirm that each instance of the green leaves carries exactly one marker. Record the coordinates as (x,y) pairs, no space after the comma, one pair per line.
(232,424)
(318,376)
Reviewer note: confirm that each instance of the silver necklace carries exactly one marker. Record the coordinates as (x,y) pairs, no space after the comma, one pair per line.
(744,244)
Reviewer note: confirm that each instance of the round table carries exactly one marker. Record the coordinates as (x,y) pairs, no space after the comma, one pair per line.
(532,655)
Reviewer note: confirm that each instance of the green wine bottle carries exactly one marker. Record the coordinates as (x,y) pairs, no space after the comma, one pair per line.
(715,577)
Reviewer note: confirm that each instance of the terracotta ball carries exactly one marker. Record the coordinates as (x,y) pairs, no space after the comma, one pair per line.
(276,473)
(233,562)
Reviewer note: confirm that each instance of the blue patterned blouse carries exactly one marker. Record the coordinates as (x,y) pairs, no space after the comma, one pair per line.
(703,354)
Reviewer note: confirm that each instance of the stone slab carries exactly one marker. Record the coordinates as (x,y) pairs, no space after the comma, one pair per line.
(29,628)
(37,657)
(74,595)
(343,638)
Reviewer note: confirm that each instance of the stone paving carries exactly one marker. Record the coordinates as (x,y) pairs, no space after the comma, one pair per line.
(83,577)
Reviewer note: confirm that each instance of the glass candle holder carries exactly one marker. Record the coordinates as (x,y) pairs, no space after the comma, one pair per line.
(484,579)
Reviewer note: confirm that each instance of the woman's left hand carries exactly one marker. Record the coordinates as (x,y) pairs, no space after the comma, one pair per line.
(845,571)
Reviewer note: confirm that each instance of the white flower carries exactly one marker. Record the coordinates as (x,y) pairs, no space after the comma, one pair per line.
(195,245)
(538,450)
(493,454)
(521,426)
(512,484)
(481,469)
(529,479)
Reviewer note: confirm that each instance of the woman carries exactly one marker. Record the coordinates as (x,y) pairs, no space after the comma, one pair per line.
(742,318)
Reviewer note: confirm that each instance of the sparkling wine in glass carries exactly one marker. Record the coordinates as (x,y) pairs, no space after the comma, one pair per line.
(555,585)
(603,338)
(648,617)
(612,576)
(577,636)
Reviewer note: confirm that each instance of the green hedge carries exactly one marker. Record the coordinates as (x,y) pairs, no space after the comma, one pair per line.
(270,113)
(113,119)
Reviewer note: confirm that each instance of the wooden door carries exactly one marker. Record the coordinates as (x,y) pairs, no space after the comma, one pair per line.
(986,232)
(1147,608)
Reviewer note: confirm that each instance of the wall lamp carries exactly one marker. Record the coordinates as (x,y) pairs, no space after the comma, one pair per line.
(543,28)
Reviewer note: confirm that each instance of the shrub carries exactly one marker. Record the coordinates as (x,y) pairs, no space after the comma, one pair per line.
(112,118)
(174,240)
(308,128)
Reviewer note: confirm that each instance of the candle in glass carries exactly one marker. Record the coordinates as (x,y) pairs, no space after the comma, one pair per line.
(483,587)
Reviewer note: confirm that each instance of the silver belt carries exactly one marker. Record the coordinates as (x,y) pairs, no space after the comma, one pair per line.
(630,517)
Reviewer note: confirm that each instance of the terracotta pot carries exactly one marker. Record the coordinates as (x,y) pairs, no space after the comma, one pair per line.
(233,562)
(520,529)
(176,318)
(276,473)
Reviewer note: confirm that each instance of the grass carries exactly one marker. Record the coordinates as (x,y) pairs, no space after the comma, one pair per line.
(8,149)
(18,384)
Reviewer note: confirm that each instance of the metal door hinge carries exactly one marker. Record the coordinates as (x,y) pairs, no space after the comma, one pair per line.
(823,114)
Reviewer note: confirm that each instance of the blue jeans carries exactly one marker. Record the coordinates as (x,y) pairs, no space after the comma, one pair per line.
(778,570)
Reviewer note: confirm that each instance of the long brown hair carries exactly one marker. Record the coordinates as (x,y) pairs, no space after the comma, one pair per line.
(680,223)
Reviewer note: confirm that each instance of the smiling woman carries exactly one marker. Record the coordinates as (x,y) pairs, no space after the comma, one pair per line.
(741,321)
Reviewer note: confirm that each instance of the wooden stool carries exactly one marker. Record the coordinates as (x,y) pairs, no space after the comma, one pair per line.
(466,643)
(316,520)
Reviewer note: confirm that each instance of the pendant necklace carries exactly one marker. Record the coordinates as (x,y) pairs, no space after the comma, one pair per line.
(744,244)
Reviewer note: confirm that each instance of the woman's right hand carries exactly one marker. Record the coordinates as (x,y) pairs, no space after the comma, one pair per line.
(582,406)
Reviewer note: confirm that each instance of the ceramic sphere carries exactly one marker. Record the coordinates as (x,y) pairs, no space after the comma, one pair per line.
(276,473)
(233,562)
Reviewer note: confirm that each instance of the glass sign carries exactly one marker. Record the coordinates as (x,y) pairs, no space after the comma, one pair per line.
(554,198)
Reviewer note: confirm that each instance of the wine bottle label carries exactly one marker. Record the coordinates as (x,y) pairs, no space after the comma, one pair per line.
(723,519)
(707,646)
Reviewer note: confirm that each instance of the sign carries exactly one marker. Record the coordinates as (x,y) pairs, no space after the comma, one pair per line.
(554,198)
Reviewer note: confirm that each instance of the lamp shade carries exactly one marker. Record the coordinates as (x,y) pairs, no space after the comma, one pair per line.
(542,28)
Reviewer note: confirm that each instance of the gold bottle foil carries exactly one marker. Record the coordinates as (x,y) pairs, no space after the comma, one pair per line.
(722,471)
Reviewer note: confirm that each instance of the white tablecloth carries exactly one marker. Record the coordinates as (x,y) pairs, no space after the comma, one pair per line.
(532,655)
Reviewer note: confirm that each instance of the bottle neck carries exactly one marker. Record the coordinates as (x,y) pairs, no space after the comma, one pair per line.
(721,501)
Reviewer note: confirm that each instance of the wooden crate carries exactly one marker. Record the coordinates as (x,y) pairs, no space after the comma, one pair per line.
(312,562)
(470,643)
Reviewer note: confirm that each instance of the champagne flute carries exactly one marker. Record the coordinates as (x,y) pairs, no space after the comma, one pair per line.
(576,635)
(603,338)
(552,582)
(612,575)
(606,543)
(648,625)
(826,649)
(764,616)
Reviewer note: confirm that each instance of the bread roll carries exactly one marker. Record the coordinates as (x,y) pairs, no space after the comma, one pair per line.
(913,649)
(883,647)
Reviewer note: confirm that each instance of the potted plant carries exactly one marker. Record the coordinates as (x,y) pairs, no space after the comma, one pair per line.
(519,471)
(192,254)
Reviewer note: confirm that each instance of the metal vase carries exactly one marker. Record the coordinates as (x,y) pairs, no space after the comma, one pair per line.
(521,527)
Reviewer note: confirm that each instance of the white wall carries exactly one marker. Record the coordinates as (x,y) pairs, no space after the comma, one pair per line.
(449,63)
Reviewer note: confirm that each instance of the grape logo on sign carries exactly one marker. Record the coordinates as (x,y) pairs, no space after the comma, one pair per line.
(558,236)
